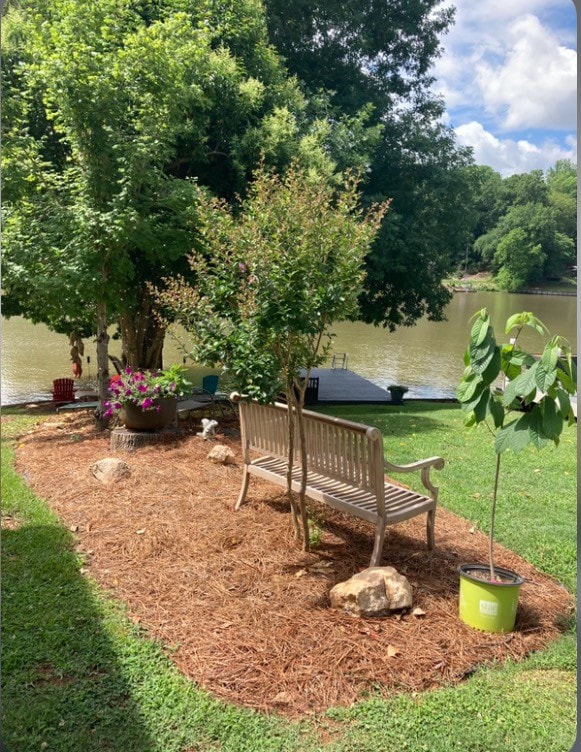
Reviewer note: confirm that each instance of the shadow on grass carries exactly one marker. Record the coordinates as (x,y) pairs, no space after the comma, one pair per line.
(62,685)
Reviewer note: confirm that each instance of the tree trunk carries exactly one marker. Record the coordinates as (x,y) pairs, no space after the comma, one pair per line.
(142,336)
(298,408)
(102,364)
(289,472)
(492,519)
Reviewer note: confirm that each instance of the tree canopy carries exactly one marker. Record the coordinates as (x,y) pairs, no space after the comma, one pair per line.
(119,112)
(523,226)
(272,276)
(379,54)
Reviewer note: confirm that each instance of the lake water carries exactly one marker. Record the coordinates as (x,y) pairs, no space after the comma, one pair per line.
(426,357)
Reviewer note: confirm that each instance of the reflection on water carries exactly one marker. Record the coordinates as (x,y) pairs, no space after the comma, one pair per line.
(426,357)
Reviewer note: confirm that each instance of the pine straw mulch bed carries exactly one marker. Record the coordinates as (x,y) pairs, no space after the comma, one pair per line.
(245,612)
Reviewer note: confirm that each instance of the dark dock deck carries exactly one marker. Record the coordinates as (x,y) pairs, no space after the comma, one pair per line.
(341,385)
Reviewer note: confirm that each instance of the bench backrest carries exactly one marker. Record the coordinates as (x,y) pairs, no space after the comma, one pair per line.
(348,452)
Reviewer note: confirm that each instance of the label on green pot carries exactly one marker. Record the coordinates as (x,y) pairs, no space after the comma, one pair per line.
(489,608)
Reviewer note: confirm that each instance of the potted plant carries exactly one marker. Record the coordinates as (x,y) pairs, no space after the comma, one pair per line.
(397,392)
(498,382)
(146,400)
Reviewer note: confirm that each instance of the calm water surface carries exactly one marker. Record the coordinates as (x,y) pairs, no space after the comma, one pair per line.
(426,357)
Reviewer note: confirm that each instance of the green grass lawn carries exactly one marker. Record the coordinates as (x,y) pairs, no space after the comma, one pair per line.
(536,515)
(79,676)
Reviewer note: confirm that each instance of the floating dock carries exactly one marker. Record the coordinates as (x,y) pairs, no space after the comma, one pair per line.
(339,385)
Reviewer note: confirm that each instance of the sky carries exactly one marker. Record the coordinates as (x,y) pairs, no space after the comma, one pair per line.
(508,76)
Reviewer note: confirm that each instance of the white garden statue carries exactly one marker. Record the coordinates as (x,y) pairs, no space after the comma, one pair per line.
(209,427)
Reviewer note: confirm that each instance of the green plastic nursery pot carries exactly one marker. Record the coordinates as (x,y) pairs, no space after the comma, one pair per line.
(485,605)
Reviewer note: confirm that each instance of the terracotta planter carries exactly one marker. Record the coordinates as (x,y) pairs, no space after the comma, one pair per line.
(136,419)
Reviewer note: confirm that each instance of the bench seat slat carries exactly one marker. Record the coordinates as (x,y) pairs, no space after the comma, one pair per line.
(400,503)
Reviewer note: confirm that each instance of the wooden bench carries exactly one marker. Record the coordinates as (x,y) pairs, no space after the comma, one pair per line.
(346,467)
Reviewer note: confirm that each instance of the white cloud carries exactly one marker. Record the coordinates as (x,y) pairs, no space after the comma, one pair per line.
(508,72)
(535,86)
(508,156)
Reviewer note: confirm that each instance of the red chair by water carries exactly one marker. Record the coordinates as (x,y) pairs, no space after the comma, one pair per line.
(63,391)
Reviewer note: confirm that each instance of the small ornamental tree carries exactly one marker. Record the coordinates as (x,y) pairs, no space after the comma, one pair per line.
(272,279)
(521,399)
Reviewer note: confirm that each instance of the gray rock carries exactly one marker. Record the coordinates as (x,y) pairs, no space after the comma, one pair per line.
(375,591)
(110,470)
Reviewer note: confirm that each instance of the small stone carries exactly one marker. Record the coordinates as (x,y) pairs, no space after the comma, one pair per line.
(110,470)
(222,454)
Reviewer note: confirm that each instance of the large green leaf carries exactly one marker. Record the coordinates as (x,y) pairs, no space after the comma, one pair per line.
(566,381)
(552,418)
(470,420)
(536,427)
(496,410)
(522,386)
(490,373)
(528,429)
(482,354)
(513,436)
(517,356)
(565,406)
(475,399)
(544,378)
(480,328)
(467,387)
(550,355)
(481,409)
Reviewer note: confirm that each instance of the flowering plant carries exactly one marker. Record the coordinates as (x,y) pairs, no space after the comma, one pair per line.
(144,388)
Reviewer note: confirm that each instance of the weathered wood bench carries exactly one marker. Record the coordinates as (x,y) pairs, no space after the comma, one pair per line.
(346,467)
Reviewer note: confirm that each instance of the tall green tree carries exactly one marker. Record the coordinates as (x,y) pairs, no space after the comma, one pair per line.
(562,184)
(519,261)
(118,114)
(542,206)
(551,251)
(380,54)
(271,280)
(523,188)
(483,208)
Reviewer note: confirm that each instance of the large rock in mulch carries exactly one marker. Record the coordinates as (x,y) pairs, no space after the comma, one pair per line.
(375,591)
(110,470)
(222,454)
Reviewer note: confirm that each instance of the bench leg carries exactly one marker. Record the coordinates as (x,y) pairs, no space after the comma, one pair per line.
(244,489)
(378,547)
(431,523)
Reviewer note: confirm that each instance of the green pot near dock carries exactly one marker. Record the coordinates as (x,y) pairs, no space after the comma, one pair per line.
(397,392)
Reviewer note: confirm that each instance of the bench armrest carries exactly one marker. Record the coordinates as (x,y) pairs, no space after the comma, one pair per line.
(424,466)
(436,462)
